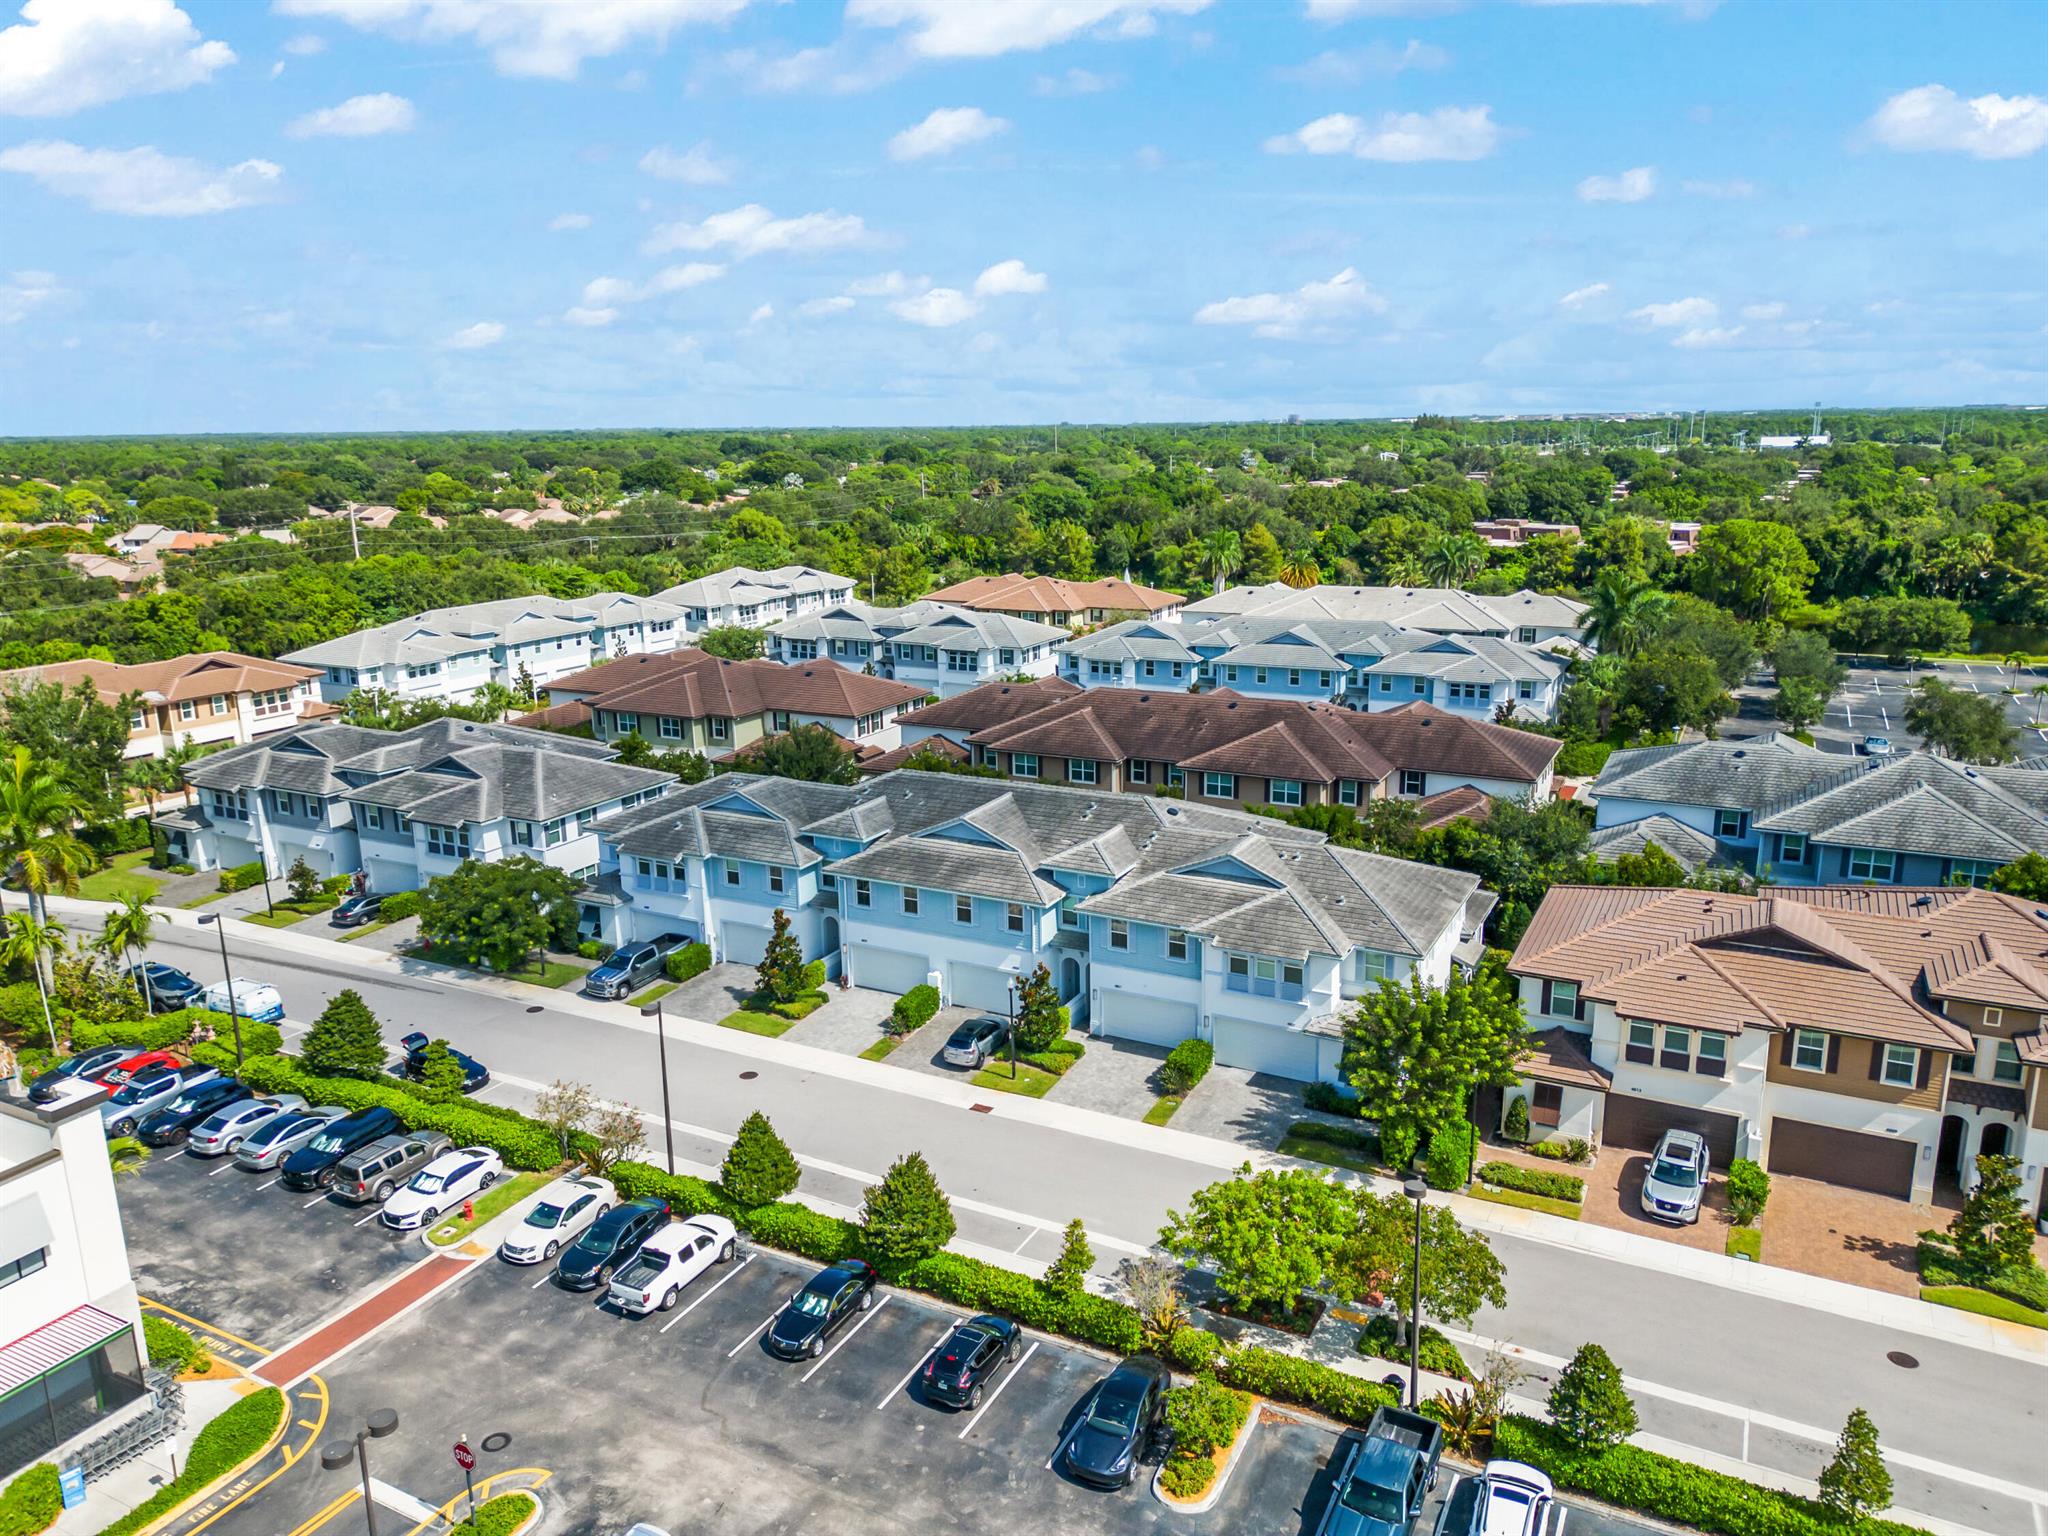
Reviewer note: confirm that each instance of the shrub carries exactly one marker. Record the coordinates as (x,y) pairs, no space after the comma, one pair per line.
(802,1006)
(1069,1272)
(169,1344)
(1749,1187)
(814,976)
(21,1006)
(239,1433)
(1205,1417)
(1291,1379)
(759,1168)
(591,949)
(914,1009)
(32,1502)
(1191,1349)
(1381,1338)
(799,1229)
(500,1516)
(157,1033)
(1588,1404)
(1186,1065)
(691,960)
(345,1040)
(907,1216)
(1582,759)
(1516,1127)
(981,1287)
(398,905)
(1449,1165)
(1329,1099)
(2024,1283)
(1397,1146)
(1534,1181)
(523,1143)
(335,885)
(239,877)
(1570,1149)
(1359,1140)
(258,1039)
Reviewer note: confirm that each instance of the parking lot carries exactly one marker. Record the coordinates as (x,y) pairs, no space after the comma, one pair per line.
(1872,702)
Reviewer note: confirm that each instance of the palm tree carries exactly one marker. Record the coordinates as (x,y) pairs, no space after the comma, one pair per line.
(126,1155)
(127,931)
(1622,612)
(175,762)
(24,939)
(2040,694)
(37,813)
(1452,559)
(1222,553)
(1301,569)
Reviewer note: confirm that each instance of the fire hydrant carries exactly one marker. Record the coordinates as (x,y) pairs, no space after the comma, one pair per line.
(469,1210)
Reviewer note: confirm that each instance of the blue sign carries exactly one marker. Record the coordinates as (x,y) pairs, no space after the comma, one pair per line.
(72,1483)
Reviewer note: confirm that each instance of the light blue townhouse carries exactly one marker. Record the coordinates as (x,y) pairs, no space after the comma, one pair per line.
(940,647)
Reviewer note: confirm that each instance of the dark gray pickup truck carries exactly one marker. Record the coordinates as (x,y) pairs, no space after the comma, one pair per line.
(1382,1480)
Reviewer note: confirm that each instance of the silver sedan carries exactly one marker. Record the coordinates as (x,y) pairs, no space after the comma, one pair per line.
(226,1129)
(270,1144)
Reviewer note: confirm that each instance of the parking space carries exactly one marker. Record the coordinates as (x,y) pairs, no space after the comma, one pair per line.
(1872,702)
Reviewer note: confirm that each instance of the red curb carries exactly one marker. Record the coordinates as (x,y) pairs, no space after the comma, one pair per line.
(321,1346)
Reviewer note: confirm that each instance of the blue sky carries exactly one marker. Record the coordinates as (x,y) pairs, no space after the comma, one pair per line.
(390,214)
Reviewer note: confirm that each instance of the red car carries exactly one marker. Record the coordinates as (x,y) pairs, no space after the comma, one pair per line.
(118,1074)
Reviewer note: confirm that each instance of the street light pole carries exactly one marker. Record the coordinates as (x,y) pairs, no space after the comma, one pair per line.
(337,1454)
(1415,1189)
(227,981)
(668,1129)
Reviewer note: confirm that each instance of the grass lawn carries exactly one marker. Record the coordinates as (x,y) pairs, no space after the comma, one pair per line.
(285,913)
(1030,1081)
(1323,1152)
(1162,1109)
(549,973)
(500,1196)
(881,1048)
(1746,1243)
(753,1023)
(1967,1298)
(200,901)
(654,993)
(365,931)
(1564,1208)
(126,874)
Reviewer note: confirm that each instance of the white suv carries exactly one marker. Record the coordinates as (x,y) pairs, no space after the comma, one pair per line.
(1677,1178)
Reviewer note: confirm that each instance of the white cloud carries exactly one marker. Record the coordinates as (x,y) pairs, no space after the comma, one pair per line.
(562,221)
(1448,133)
(1763,311)
(586,315)
(485,333)
(1328,11)
(1580,297)
(1933,118)
(696,166)
(608,293)
(1678,312)
(1075,82)
(360,117)
(949,29)
(945,130)
(1313,306)
(1149,157)
(305,45)
(1629,187)
(1007,277)
(1795,231)
(142,181)
(752,230)
(1707,336)
(840,69)
(1725,190)
(936,308)
(764,312)
(1355,66)
(839,303)
(24,291)
(884,285)
(64,55)
(521,36)
(277,69)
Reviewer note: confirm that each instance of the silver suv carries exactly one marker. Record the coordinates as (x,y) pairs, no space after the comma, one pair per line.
(378,1171)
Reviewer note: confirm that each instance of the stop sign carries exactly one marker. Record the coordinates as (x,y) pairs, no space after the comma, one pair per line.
(465,1458)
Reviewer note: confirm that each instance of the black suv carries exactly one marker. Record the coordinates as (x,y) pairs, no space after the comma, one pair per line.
(608,1242)
(1121,1415)
(474,1073)
(312,1166)
(961,1369)
(164,987)
(819,1310)
(171,1125)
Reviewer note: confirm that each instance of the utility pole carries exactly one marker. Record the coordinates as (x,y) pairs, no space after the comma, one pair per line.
(353,542)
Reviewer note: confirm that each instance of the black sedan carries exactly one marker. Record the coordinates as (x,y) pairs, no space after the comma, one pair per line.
(355,911)
(608,1242)
(474,1073)
(963,1367)
(171,1125)
(82,1068)
(164,987)
(821,1308)
(1121,1415)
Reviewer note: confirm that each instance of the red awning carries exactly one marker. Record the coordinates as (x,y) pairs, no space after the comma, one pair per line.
(37,1354)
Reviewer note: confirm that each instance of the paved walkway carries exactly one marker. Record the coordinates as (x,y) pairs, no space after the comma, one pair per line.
(1115,1077)
(301,1359)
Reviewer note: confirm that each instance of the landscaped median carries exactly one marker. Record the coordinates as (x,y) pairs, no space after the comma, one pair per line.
(501,1196)
(1211,1424)
(506,1515)
(32,1502)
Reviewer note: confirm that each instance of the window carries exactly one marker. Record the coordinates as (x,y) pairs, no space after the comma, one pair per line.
(556,831)
(1080,770)
(1386,683)
(959,661)
(1024,765)
(1294,677)
(1149,668)
(1642,1044)
(1070,913)
(863,893)
(1792,848)
(448,842)
(1176,944)
(1872,864)
(779,721)
(1119,933)
(720,727)
(1524,689)
(401,824)
(1376,963)
(1007,657)
(1526,634)
(1414,781)
(1970,871)
(1325,681)
(732,873)
(1546,1104)
(1712,1060)
(963,909)
(1561,998)
(1283,791)
(1140,772)
(522,835)
(629,725)
(910,901)
(1730,824)
(1347,791)
(1810,1050)
(1469,693)
(220,704)
(1677,1052)
(670,728)
(1258,674)
(188,709)
(2005,1066)
(135,721)
(1220,786)
(1291,975)
(775,879)
(1013,918)
(1901,1066)
(373,818)
(27,1264)
(1173,777)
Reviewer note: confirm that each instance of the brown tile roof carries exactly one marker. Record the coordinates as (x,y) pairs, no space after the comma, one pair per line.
(1556,1056)
(1420,735)
(2002,1097)
(1447,806)
(992,704)
(556,717)
(896,757)
(691,684)
(1050,594)
(2033,1048)
(183,677)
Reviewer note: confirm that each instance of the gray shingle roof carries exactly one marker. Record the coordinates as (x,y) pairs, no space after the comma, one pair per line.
(1749,773)
(1691,847)
(1918,803)
(443,632)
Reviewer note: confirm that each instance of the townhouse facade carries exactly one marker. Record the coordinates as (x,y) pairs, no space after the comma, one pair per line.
(404,806)
(1799,816)
(449,653)
(1052,600)
(691,700)
(1879,1039)
(1529,618)
(745,598)
(207,699)
(942,649)
(1224,749)
(1158,921)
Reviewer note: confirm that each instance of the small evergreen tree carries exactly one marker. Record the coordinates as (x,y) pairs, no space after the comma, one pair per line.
(1991,1232)
(1589,1405)
(1069,1272)
(345,1040)
(1041,1021)
(1856,1483)
(304,883)
(759,1168)
(1516,1128)
(907,1216)
(782,962)
(441,1075)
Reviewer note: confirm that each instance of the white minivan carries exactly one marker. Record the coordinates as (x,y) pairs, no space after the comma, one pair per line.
(253,999)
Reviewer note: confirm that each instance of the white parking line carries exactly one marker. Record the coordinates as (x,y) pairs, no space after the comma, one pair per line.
(894,1392)
(543,1280)
(873,1313)
(1015,1371)
(1066,1440)
(273,1181)
(223,1168)
(752,1332)
(693,1306)
(316,1200)
(370,1218)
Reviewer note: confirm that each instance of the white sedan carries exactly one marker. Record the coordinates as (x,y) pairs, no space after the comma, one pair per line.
(669,1260)
(555,1216)
(443,1184)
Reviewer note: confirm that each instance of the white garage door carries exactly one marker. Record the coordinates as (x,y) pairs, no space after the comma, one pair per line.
(887,970)
(744,943)
(1266,1048)
(980,986)
(1154,1020)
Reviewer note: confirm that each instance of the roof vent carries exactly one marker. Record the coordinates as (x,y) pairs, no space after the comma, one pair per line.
(1923,901)
(1740,752)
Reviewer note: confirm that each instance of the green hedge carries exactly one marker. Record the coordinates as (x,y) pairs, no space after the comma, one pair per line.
(1583,759)
(239,877)
(2026,1284)
(1291,1379)
(399,904)
(1329,1099)
(157,1033)
(239,1433)
(32,1502)
(983,1287)
(691,960)
(1534,1181)
(1449,1161)
(21,1006)
(1379,1339)
(1675,1491)
(1186,1065)
(500,1516)
(1358,1140)
(1191,1349)
(914,1009)
(168,1344)
(523,1143)
(1571,1149)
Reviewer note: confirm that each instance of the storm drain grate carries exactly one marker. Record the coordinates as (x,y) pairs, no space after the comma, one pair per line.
(1903,1360)
(981,1109)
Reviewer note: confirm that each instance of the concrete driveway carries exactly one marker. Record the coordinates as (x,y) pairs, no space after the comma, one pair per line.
(1117,1077)
(719,991)
(1235,1104)
(851,1021)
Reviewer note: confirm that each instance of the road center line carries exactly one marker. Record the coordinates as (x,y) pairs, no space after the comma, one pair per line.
(693,1306)
(873,1313)
(1015,1371)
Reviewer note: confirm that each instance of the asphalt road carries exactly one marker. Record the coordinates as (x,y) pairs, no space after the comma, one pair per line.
(1724,1355)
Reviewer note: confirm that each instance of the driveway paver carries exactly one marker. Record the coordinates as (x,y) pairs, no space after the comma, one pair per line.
(723,989)
(1614,1195)
(1234,1104)
(851,1022)
(1846,1234)
(1117,1077)
(920,1048)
